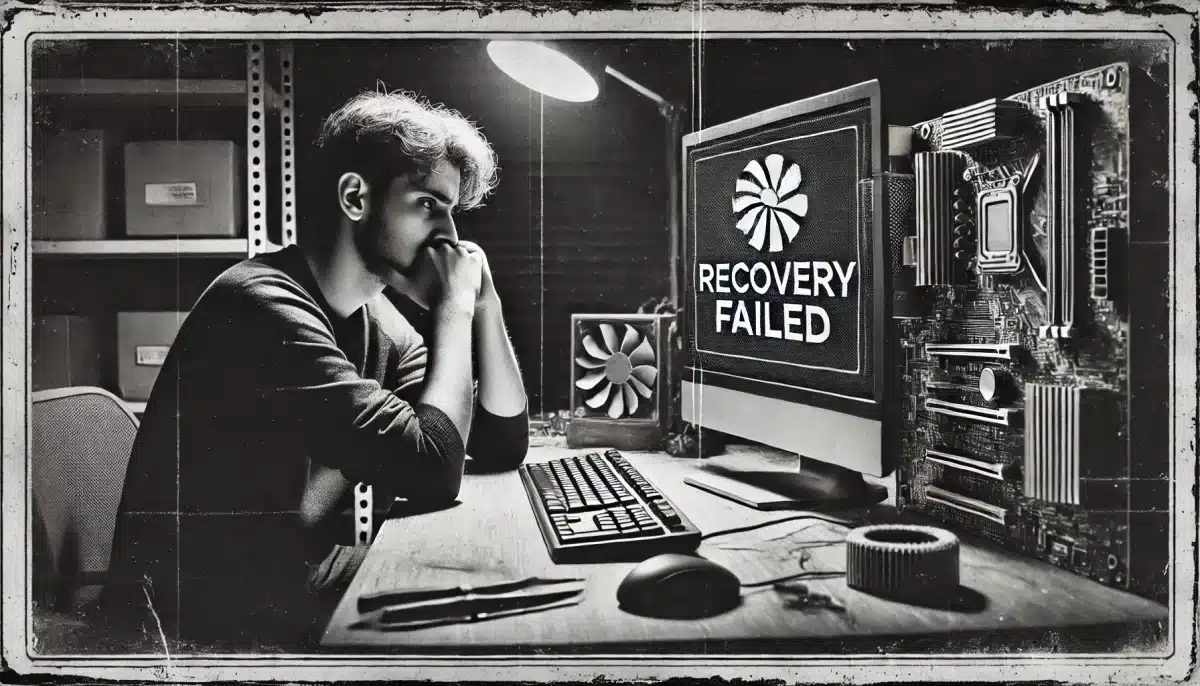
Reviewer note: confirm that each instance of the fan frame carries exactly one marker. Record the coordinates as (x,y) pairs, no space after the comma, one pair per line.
(627,433)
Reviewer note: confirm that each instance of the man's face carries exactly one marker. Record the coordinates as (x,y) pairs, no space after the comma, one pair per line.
(411,213)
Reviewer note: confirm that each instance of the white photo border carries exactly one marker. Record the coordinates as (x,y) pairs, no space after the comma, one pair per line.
(274,22)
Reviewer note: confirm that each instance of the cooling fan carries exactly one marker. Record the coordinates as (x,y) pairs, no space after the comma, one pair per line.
(619,382)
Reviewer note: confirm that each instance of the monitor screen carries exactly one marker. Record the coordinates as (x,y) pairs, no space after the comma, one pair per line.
(779,256)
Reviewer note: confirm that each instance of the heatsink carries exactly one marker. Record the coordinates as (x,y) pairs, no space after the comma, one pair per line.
(980,123)
(1072,434)
(938,174)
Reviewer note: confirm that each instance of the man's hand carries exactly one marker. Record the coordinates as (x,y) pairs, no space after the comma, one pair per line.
(459,273)
(487,288)
(501,388)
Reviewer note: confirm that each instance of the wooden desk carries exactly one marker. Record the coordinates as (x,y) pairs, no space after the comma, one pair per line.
(491,535)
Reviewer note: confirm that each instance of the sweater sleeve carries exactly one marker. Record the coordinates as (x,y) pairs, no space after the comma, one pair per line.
(347,422)
(497,442)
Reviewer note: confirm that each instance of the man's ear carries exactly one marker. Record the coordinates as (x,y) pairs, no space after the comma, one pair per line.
(354,196)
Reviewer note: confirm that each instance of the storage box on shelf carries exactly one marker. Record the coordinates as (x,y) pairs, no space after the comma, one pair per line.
(183,189)
(73,174)
(143,340)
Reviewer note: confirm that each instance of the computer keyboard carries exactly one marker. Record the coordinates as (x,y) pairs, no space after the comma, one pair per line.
(598,508)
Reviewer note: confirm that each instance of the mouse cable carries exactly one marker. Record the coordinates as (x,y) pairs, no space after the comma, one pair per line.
(781,520)
(792,577)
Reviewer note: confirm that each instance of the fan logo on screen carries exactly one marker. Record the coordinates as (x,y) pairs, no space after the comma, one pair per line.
(768,203)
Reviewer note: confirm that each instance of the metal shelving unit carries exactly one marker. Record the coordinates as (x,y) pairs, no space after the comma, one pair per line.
(253,94)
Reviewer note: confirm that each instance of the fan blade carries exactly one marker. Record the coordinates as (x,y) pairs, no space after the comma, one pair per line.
(760,231)
(599,398)
(789,225)
(617,407)
(756,170)
(644,354)
(588,363)
(590,381)
(797,204)
(741,202)
(747,186)
(640,387)
(747,221)
(593,348)
(791,180)
(776,234)
(631,401)
(774,170)
(610,338)
(630,341)
(646,374)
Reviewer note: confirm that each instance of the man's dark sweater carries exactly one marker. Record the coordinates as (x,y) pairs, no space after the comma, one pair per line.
(263,385)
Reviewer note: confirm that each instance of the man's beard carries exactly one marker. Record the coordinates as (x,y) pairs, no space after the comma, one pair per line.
(408,278)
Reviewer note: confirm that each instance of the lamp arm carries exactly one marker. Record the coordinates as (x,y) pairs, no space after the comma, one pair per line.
(664,106)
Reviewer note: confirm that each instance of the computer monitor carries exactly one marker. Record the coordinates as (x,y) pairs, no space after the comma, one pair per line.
(786,291)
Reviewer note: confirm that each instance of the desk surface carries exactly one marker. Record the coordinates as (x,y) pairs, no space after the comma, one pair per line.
(491,535)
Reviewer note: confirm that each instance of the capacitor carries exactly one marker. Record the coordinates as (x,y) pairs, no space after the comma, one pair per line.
(996,385)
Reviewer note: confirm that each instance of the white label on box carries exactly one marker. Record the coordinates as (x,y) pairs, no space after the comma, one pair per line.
(152,355)
(172,194)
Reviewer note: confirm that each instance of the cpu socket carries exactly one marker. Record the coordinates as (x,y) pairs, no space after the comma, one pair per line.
(999,247)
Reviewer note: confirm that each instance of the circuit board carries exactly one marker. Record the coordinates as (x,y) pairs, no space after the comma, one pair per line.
(1014,356)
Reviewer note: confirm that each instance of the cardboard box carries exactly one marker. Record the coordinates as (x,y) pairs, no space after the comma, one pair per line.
(143,340)
(187,189)
(67,351)
(70,187)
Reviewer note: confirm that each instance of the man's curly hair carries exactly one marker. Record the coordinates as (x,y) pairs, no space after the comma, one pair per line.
(382,134)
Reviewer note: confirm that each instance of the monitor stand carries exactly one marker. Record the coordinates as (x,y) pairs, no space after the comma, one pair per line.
(814,486)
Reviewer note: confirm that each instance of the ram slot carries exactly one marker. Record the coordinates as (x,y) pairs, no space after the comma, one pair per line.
(1002,351)
(1001,416)
(992,470)
(962,503)
(1061,224)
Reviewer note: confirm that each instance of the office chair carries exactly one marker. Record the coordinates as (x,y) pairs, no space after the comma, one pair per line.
(82,439)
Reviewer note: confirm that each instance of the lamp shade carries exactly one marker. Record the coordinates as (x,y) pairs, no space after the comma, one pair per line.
(543,69)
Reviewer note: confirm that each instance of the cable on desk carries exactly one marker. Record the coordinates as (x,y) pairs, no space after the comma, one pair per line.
(792,577)
(781,520)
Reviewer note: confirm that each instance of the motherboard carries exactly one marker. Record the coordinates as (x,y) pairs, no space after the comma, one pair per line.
(1013,343)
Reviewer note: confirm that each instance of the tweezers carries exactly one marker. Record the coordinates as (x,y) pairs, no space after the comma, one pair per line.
(473,607)
(369,602)
(378,623)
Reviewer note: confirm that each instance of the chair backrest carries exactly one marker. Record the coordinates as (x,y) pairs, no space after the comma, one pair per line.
(82,439)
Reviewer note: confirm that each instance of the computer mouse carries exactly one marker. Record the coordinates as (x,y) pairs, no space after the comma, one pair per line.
(678,586)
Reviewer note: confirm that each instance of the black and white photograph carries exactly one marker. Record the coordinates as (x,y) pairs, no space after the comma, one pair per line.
(805,343)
